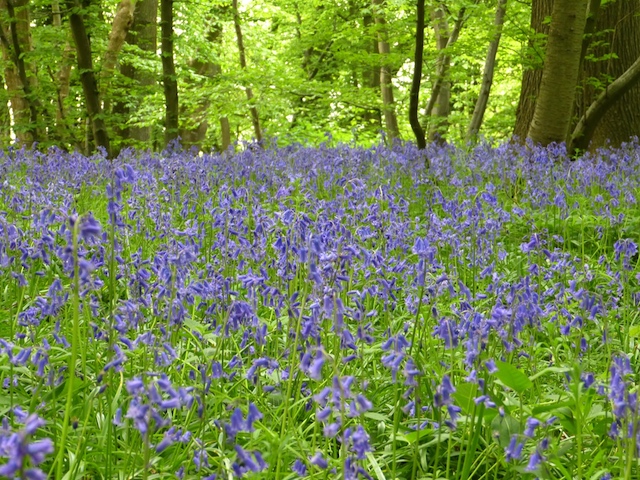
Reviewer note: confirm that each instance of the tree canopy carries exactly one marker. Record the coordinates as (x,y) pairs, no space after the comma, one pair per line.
(83,74)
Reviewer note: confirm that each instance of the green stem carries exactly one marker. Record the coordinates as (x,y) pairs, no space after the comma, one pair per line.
(74,353)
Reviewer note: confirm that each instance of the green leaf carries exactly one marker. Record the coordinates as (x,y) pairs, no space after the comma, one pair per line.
(464,395)
(512,377)
(503,428)
(634,331)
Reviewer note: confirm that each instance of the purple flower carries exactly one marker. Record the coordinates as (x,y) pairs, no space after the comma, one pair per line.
(299,468)
(531,425)
(318,460)
(23,455)
(360,442)
(514,450)
(491,366)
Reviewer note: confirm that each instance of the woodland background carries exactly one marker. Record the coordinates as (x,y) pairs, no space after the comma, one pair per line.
(86,73)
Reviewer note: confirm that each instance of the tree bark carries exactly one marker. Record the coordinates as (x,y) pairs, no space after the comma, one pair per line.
(16,41)
(121,24)
(255,118)
(194,134)
(87,78)
(487,76)
(588,123)
(439,105)
(144,34)
(532,76)
(5,117)
(372,75)
(62,79)
(554,106)
(169,78)
(414,98)
(386,86)
(617,31)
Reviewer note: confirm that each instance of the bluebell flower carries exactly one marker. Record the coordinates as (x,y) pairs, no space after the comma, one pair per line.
(299,468)
(531,425)
(514,449)
(318,460)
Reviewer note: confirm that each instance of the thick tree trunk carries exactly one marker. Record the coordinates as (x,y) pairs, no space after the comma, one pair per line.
(532,76)
(16,41)
(144,34)
(62,80)
(169,79)
(414,98)
(617,30)
(87,78)
(612,28)
(554,106)
(609,98)
(386,86)
(487,76)
(255,118)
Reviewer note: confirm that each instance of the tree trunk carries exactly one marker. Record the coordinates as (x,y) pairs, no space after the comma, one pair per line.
(5,117)
(87,78)
(386,86)
(532,76)
(609,98)
(16,41)
(372,117)
(487,76)
(554,106)
(62,80)
(439,105)
(617,28)
(169,78)
(144,34)
(121,24)
(255,119)
(414,98)
(194,134)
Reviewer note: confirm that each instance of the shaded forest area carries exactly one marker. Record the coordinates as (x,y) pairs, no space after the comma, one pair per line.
(82,74)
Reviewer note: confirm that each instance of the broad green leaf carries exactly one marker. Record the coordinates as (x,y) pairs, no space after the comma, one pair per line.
(503,427)
(464,396)
(512,377)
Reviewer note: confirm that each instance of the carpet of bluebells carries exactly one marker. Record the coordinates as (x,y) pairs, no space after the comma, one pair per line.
(328,312)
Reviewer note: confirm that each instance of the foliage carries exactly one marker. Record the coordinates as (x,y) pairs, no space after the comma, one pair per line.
(310,65)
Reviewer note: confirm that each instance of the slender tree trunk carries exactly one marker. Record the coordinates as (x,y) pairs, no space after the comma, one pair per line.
(386,86)
(487,76)
(552,115)
(195,133)
(225,129)
(121,24)
(5,117)
(372,75)
(169,78)
(255,119)
(414,98)
(87,78)
(439,105)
